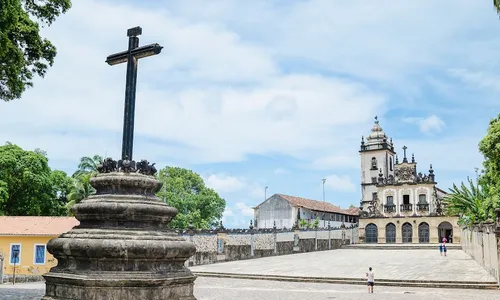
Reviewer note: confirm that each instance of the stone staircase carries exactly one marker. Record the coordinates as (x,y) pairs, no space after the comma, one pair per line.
(402,246)
(358,281)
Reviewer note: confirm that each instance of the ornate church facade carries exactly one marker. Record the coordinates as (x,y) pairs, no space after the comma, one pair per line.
(399,204)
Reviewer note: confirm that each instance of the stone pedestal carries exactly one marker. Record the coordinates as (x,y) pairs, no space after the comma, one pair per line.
(122,249)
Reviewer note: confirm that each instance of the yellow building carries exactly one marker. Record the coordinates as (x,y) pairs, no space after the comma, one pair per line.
(23,245)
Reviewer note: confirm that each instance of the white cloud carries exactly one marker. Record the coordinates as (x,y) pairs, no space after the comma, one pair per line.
(280,171)
(340,183)
(336,161)
(244,209)
(224,183)
(431,124)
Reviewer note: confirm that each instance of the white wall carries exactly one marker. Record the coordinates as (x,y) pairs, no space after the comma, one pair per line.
(276,210)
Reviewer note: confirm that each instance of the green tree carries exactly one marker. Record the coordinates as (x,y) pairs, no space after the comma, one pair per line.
(303,223)
(470,203)
(496,3)
(186,191)
(28,187)
(80,190)
(88,165)
(23,52)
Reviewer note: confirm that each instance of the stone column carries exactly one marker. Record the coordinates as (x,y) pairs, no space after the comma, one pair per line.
(329,236)
(275,239)
(497,233)
(251,239)
(1,269)
(316,239)
(191,239)
(122,248)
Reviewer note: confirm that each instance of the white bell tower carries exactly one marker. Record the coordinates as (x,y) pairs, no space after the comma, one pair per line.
(377,156)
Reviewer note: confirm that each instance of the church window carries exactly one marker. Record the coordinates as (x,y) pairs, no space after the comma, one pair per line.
(374,163)
(374,196)
(390,201)
(422,199)
(374,179)
(390,163)
(406,199)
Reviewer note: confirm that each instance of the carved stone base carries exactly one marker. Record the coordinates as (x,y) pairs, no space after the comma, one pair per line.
(122,248)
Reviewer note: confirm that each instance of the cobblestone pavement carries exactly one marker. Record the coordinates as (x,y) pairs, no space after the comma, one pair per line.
(353,263)
(229,289)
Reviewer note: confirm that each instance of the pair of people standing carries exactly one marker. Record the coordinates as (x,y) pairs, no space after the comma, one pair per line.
(442,248)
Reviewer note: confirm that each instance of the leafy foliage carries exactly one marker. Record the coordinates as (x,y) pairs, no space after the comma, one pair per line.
(478,202)
(28,187)
(81,187)
(468,202)
(23,52)
(186,191)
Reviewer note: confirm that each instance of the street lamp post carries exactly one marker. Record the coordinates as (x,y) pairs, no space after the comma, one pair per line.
(265,193)
(15,254)
(324,203)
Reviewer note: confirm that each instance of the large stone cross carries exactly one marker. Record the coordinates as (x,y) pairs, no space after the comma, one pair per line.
(404,150)
(131,56)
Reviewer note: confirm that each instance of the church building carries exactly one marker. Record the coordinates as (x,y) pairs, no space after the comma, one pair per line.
(399,203)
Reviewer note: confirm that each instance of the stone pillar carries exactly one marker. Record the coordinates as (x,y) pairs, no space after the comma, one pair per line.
(191,239)
(497,233)
(1,268)
(329,236)
(275,239)
(316,239)
(251,239)
(122,248)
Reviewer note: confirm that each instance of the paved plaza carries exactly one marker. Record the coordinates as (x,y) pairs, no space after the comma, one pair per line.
(401,265)
(229,289)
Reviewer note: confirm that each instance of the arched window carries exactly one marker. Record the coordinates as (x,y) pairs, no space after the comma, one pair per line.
(390,233)
(407,231)
(371,234)
(423,233)
(422,199)
(374,163)
(390,163)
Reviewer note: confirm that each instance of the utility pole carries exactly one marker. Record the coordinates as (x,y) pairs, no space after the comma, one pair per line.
(324,203)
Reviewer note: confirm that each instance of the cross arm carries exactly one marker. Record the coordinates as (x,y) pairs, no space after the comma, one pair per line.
(141,52)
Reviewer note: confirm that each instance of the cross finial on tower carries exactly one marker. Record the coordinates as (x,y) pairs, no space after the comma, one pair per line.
(405,160)
(376,119)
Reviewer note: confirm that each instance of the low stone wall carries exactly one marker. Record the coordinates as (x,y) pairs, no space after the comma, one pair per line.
(222,245)
(483,245)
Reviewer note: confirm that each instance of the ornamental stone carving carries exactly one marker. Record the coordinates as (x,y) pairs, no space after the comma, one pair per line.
(422,191)
(404,174)
(389,193)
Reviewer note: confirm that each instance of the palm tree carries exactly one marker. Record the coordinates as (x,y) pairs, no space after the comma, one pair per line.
(469,203)
(88,165)
(496,3)
(81,189)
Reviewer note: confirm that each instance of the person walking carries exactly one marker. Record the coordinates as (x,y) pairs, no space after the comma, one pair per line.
(444,249)
(441,249)
(371,279)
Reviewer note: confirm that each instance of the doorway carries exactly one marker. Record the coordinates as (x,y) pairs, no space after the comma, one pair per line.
(407,233)
(445,230)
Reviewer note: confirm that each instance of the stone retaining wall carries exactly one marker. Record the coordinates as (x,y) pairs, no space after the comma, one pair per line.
(482,243)
(219,246)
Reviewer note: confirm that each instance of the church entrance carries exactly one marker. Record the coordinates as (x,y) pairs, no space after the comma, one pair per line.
(390,233)
(371,234)
(423,233)
(407,233)
(445,230)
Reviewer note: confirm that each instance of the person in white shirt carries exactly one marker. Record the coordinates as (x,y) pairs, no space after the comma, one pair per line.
(371,279)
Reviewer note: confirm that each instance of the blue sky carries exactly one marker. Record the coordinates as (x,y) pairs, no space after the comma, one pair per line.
(270,93)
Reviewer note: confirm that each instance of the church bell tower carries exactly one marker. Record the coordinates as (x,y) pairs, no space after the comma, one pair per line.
(377,157)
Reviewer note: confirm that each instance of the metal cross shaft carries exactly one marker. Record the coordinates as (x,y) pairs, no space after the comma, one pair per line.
(131,56)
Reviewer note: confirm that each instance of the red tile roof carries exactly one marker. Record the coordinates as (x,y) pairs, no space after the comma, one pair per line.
(316,205)
(41,226)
